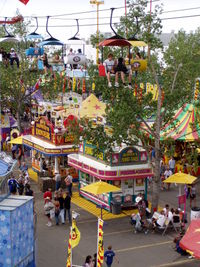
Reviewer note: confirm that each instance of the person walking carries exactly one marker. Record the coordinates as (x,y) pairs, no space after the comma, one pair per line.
(172,163)
(57,209)
(61,201)
(192,195)
(12,185)
(88,261)
(58,180)
(48,209)
(48,193)
(109,255)
(68,182)
(67,207)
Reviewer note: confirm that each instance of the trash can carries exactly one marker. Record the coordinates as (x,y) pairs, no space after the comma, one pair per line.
(195,213)
(115,207)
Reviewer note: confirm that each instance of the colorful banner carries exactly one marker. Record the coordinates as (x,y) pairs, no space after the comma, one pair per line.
(100,248)
(76,235)
(69,251)
(196,90)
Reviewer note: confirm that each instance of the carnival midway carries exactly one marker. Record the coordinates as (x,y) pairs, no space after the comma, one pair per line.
(99,155)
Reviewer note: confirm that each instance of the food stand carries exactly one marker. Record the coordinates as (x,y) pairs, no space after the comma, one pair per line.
(50,144)
(128,169)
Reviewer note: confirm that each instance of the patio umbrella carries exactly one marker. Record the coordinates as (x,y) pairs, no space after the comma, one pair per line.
(181,178)
(100,188)
(191,240)
(17,141)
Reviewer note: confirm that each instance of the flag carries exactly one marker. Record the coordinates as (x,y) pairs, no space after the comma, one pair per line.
(76,235)
(24,1)
(100,248)
(69,251)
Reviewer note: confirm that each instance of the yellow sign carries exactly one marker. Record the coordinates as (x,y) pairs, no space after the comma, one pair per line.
(90,151)
(76,235)
(42,130)
(152,88)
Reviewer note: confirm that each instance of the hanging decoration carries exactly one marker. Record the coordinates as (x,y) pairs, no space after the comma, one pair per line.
(74,84)
(24,1)
(13,20)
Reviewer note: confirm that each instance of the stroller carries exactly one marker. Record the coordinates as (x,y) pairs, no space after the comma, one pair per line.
(138,224)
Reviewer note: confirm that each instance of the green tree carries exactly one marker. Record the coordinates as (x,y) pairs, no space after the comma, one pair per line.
(15,83)
(127,112)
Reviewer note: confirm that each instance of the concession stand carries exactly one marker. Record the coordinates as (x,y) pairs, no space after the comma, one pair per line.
(128,169)
(49,144)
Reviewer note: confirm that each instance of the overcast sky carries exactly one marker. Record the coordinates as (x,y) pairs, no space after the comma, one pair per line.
(56,7)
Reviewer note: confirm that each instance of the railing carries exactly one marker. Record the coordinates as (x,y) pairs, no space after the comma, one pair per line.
(6,159)
(4,192)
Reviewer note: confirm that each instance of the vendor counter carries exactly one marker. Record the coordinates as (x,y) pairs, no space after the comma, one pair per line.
(131,180)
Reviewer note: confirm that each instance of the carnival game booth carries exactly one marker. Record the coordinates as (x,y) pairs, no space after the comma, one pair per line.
(49,144)
(128,169)
(184,129)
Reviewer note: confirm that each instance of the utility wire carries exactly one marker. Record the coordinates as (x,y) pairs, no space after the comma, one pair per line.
(94,24)
(164,12)
(83,12)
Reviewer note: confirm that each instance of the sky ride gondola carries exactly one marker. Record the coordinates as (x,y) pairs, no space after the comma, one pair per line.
(117,40)
(9,37)
(34,35)
(77,61)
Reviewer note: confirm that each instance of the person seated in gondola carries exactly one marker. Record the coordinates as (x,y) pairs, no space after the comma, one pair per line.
(109,64)
(122,70)
(46,63)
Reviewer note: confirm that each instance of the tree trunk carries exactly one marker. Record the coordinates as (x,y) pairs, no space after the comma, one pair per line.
(19,120)
(156,179)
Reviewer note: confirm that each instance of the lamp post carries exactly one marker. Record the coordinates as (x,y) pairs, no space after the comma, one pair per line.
(97,3)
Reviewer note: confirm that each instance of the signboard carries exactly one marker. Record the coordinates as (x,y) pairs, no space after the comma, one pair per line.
(129,155)
(43,129)
(89,150)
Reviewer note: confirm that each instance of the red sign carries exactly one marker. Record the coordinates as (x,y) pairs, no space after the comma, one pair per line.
(182,199)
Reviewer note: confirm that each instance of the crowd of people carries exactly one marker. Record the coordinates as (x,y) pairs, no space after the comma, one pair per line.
(109,255)
(143,221)
(20,185)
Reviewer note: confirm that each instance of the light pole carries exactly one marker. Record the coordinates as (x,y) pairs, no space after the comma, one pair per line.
(97,3)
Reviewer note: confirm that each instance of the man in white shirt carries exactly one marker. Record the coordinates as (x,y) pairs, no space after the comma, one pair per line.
(68,182)
(109,67)
(172,164)
(167,174)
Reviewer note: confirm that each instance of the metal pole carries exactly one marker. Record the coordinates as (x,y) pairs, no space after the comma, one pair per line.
(97,50)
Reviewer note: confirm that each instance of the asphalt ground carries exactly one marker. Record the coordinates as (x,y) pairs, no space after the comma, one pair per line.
(132,250)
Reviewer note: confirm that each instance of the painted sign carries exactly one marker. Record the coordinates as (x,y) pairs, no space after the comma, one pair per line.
(129,155)
(89,150)
(43,128)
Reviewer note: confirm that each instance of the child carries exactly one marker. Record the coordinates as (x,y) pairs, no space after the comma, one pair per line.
(108,255)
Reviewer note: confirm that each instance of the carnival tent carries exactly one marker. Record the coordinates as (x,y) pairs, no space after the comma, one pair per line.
(191,240)
(92,107)
(185,125)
